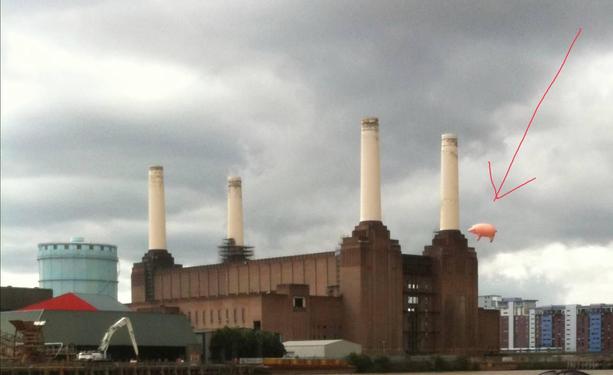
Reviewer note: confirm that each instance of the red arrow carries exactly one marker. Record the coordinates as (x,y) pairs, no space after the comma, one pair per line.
(489,164)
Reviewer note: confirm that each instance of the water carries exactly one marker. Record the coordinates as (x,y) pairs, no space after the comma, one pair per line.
(503,372)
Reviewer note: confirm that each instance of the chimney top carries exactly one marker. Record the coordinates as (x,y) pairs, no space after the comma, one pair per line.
(370,123)
(449,136)
(234,181)
(156,168)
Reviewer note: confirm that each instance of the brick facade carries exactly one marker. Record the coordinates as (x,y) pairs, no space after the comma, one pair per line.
(368,292)
(455,299)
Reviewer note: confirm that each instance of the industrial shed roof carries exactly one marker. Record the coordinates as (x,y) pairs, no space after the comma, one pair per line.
(312,342)
(78,302)
(321,348)
(86,328)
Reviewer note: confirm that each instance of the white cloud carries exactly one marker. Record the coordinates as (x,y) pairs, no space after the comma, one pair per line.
(19,279)
(211,88)
(583,272)
(42,72)
(124,291)
(570,135)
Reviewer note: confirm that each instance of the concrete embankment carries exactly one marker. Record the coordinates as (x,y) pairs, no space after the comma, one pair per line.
(114,368)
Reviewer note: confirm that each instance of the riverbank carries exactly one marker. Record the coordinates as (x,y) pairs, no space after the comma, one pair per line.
(507,362)
(502,372)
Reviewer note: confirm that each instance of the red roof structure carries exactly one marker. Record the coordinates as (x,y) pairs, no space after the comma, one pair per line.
(66,302)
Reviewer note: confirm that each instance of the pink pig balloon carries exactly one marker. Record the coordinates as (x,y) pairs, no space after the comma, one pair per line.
(483,230)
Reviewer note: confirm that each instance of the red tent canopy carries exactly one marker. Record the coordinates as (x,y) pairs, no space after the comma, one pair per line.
(68,301)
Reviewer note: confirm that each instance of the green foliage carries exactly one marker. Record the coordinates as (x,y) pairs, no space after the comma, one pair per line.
(382,364)
(408,365)
(229,343)
(440,364)
(361,362)
(456,364)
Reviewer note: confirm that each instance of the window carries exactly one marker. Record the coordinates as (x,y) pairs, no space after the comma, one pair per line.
(257,325)
(211,314)
(227,317)
(204,317)
(219,316)
(299,303)
(243,314)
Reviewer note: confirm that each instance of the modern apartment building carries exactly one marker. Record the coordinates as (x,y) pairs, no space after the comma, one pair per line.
(567,328)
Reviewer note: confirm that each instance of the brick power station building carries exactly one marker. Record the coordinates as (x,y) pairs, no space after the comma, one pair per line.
(367,291)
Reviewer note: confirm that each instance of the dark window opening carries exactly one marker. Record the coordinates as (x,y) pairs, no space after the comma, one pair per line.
(299,302)
(257,325)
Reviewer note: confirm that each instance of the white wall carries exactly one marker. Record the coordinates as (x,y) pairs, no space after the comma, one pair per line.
(511,325)
(532,328)
(311,351)
(325,349)
(341,349)
(570,328)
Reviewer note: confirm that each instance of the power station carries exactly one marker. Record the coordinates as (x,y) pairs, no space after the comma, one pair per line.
(367,292)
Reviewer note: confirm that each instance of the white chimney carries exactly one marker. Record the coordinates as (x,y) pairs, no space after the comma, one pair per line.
(370,175)
(157,209)
(235,210)
(450,201)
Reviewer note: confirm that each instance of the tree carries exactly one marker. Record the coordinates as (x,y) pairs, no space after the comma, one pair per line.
(229,343)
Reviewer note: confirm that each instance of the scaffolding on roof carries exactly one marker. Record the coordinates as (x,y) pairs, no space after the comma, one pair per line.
(229,252)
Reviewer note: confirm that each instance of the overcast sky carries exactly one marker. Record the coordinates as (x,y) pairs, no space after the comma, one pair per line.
(95,92)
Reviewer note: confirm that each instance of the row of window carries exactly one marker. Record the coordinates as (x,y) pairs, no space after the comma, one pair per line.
(324,337)
(78,247)
(412,285)
(200,316)
(324,326)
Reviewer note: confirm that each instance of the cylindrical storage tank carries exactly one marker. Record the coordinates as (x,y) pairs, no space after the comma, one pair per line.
(78,267)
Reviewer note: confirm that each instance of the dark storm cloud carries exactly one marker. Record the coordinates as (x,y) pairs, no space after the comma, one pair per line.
(91,143)
(274,92)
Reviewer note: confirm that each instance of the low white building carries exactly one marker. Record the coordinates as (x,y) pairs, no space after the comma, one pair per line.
(321,348)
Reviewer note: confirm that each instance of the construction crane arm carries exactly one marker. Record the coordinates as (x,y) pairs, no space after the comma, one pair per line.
(132,338)
(106,339)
